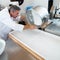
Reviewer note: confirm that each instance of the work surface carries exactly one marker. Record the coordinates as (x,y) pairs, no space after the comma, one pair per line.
(41,43)
(54,27)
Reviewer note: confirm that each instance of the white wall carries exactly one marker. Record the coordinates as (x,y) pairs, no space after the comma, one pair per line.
(43,3)
(56,3)
(26,3)
(23,6)
(5,2)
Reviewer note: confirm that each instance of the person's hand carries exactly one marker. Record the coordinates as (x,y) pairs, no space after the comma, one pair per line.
(29,26)
(32,27)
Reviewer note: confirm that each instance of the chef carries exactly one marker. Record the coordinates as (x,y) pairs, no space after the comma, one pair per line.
(7,23)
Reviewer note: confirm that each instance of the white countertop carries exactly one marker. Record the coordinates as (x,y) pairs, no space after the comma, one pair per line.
(44,44)
(54,27)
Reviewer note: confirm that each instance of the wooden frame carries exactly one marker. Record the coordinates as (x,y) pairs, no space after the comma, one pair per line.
(34,54)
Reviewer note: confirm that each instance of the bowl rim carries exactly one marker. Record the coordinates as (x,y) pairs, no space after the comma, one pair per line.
(3,46)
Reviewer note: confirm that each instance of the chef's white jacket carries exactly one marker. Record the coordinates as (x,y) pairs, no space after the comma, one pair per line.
(7,24)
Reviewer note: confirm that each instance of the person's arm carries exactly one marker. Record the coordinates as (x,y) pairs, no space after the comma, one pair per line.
(13,25)
(18,27)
